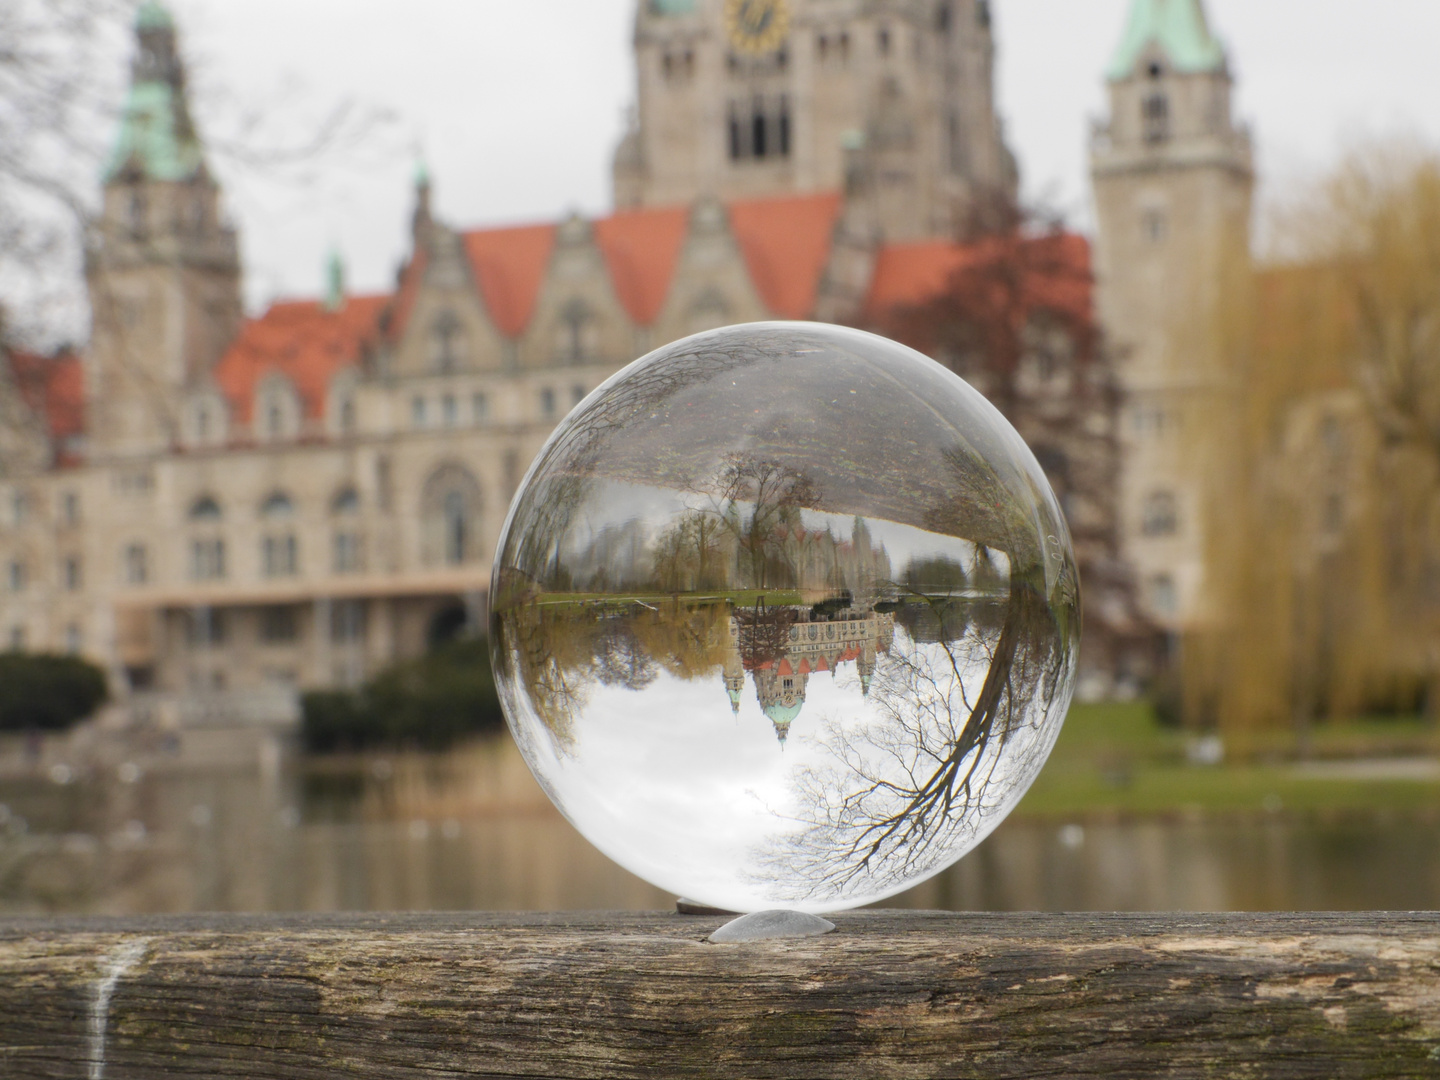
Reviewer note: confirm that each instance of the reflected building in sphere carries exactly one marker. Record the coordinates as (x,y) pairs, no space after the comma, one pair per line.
(809,644)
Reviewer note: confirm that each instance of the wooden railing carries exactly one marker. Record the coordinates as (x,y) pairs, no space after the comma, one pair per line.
(888,994)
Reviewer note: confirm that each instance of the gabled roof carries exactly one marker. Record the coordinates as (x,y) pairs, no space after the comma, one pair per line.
(509,266)
(1058,266)
(302,341)
(786,243)
(1180,29)
(641,249)
(53,387)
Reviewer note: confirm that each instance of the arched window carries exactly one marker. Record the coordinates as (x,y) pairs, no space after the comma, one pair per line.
(457,528)
(346,502)
(205,509)
(759,133)
(347,551)
(278,505)
(578,333)
(1160,514)
(279,548)
(450,513)
(1156,118)
(447,342)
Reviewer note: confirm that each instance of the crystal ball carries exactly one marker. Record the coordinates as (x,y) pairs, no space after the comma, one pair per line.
(785,615)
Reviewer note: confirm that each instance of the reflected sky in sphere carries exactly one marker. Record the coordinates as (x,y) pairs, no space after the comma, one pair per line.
(785,615)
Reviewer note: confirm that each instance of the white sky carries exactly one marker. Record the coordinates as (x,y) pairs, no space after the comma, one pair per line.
(518,104)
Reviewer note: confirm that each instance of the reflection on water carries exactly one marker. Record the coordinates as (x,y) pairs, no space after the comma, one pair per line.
(470,830)
(785,615)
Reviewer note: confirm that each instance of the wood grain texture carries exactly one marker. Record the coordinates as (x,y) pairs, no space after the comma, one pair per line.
(892,995)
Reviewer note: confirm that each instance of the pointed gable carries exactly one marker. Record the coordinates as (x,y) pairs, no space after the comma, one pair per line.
(509,266)
(641,250)
(302,341)
(786,243)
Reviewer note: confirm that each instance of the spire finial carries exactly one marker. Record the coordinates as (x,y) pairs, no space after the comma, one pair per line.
(334,282)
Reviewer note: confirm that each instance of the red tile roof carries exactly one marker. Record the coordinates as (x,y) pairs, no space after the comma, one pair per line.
(786,243)
(509,266)
(910,274)
(54,387)
(641,249)
(303,341)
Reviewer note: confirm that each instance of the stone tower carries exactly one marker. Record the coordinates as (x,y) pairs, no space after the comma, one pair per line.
(741,98)
(1173,179)
(163,270)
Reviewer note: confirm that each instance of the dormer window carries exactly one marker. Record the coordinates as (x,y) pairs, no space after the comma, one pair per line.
(137,211)
(279,409)
(577,336)
(1155,70)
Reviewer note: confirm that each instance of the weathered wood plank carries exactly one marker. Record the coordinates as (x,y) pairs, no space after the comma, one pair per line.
(892,995)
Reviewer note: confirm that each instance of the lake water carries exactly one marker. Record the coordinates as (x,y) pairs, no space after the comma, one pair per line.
(216,821)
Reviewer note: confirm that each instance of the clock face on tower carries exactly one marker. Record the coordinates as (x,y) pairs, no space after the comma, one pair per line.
(757,26)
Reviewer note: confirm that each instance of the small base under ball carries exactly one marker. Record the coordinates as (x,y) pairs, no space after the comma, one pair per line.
(770,925)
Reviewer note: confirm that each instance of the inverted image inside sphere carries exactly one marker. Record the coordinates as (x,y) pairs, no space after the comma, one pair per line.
(785,615)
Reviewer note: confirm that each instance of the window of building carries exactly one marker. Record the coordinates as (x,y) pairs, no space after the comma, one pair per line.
(347,622)
(347,552)
(278,624)
(759,130)
(447,342)
(883,40)
(479,407)
(205,508)
(1156,118)
(347,414)
(1160,515)
(1334,513)
(137,211)
(346,501)
(450,515)
(737,135)
(577,394)
(17,576)
(72,574)
(547,402)
(74,641)
(1163,597)
(418,417)
(205,627)
(982,13)
(70,508)
(17,639)
(942,17)
(19,509)
(822,47)
(844,47)
(136,562)
(782,128)
(578,333)
(449,411)
(279,555)
(457,528)
(207,559)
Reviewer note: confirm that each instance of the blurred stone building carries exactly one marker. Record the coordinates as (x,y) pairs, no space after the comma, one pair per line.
(222,510)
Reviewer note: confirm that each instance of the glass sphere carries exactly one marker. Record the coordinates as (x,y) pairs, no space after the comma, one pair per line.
(785,615)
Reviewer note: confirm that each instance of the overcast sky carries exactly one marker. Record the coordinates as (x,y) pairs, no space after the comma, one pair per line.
(517,104)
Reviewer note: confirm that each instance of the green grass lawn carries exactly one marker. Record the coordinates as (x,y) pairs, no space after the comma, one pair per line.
(1115,761)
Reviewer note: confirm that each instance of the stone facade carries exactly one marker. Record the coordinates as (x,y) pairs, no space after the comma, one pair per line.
(297,500)
(752,98)
(1173,180)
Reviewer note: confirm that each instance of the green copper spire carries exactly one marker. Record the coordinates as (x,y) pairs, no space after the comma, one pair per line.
(1179,28)
(153,16)
(334,282)
(673,7)
(157,140)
